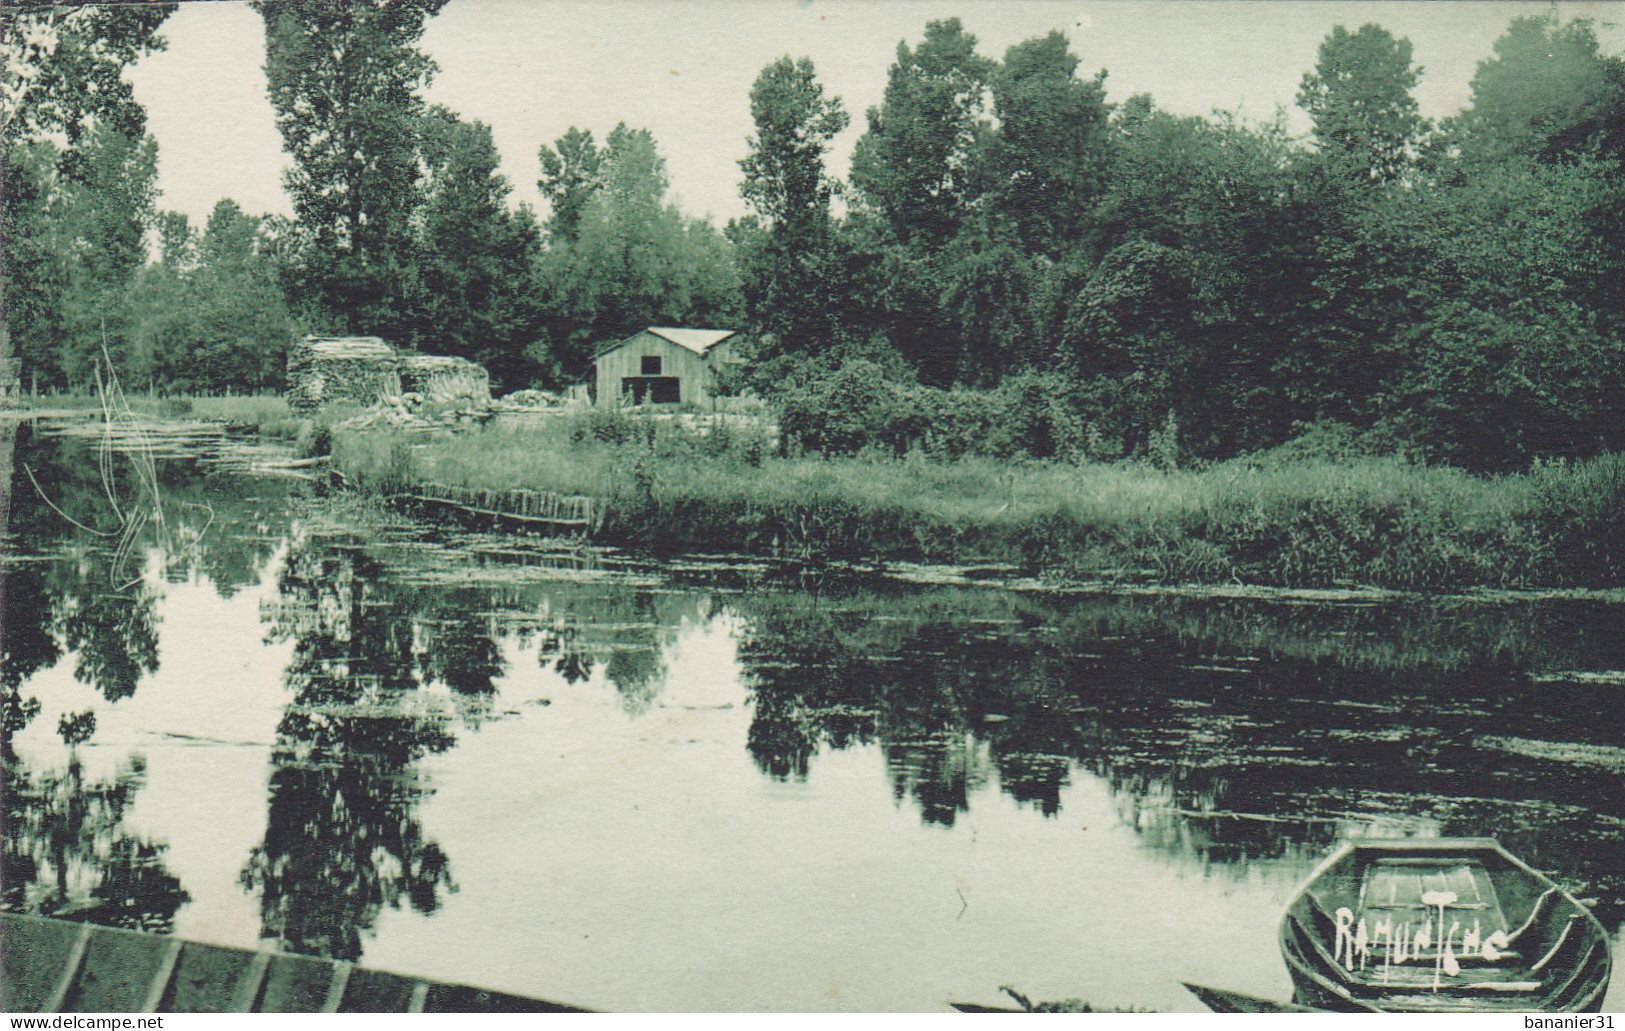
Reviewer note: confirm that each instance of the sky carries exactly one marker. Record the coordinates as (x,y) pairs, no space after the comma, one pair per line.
(532,69)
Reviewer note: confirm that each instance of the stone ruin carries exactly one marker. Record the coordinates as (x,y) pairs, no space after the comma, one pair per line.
(366,370)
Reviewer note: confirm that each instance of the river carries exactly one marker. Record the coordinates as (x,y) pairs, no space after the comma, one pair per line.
(704,783)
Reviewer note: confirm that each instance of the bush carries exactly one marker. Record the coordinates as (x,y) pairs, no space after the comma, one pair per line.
(603,425)
(1162,447)
(955,423)
(854,409)
(1325,440)
(1040,415)
(313,438)
(859,408)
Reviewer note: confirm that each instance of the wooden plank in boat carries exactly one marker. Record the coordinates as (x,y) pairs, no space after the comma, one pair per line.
(117,973)
(296,984)
(51,965)
(371,991)
(33,953)
(450,998)
(206,978)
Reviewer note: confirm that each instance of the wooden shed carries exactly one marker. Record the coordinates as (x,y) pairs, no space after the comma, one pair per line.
(662,365)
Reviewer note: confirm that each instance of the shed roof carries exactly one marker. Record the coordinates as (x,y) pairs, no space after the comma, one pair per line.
(348,347)
(436,362)
(697,340)
(700,341)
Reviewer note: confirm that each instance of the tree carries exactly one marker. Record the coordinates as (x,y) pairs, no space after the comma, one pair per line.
(790,266)
(245,324)
(915,175)
(210,316)
(636,259)
(1047,162)
(1043,170)
(36,266)
(64,71)
(345,82)
(102,217)
(1359,95)
(569,178)
(914,165)
(1547,92)
(163,310)
(76,176)
(988,287)
(475,255)
(1210,279)
(1503,297)
(784,179)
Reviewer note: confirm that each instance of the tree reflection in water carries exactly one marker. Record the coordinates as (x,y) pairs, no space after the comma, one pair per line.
(1227,730)
(623,630)
(342,839)
(218,526)
(67,854)
(1223,753)
(114,634)
(562,645)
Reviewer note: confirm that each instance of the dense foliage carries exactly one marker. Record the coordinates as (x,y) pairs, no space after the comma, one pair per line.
(1198,288)
(1015,266)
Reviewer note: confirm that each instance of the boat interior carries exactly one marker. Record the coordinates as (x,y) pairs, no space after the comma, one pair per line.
(1463,924)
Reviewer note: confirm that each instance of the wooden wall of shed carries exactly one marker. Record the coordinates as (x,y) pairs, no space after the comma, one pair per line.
(692,371)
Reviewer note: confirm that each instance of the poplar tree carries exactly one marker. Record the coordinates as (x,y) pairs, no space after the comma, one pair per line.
(346,82)
(789,267)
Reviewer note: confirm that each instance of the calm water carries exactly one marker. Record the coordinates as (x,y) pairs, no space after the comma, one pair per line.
(708,785)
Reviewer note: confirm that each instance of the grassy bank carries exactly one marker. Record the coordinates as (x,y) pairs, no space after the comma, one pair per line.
(1379,522)
(250,410)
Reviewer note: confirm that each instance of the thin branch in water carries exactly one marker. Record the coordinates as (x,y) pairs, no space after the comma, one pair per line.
(126,546)
(47,499)
(104,454)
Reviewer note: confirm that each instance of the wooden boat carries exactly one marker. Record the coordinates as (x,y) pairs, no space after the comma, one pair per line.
(1221,1000)
(1454,925)
(56,966)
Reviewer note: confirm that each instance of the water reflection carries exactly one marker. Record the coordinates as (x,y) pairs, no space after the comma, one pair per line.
(342,838)
(66,593)
(67,853)
(66,587)
(1226,755)
(1231,735)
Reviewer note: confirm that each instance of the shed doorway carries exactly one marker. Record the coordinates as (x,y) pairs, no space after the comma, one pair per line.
(660,390)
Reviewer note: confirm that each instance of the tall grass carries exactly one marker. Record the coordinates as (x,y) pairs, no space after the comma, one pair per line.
(1369,521)
(252,410)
